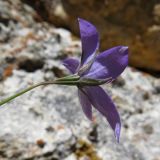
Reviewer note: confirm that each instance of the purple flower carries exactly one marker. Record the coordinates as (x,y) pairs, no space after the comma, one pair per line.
(95,69)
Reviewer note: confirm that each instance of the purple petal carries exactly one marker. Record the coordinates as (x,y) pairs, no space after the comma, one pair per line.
(85,103)
(109,63)
(89,39)
(103,103)
(71,64)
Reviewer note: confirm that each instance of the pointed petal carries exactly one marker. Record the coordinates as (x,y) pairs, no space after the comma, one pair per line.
(103,103)
(109,63)
(85,103)
(89,39)
(71,64)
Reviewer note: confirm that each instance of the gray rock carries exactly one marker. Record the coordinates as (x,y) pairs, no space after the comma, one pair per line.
(48,122)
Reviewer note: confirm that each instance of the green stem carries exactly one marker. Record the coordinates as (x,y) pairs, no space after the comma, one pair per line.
(73,80)
(68,80)
(35,86)
(19,93)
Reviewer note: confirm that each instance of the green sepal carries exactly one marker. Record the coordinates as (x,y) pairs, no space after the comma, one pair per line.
(73,77)
(93,82)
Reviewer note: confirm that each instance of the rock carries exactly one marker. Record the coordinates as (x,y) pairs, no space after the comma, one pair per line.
(71,157)
(48,123)
(119,23)
(157,13)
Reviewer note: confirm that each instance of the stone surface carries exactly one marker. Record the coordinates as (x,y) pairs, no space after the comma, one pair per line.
(136,24)
(48,123)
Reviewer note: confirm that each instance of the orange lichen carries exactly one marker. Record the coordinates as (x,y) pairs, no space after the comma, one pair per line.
(85,149)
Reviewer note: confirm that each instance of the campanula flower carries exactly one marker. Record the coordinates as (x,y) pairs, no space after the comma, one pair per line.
(95,69)
(92,70)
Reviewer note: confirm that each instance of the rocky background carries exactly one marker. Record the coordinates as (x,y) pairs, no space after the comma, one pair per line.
(48,123)
(133,23)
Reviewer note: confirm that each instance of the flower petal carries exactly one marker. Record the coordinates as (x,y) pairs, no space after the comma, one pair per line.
(71,64)
(103,103)
(85,103)
(89,39)
(109,63)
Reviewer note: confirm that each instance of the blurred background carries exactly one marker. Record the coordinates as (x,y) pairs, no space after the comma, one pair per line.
(48,123)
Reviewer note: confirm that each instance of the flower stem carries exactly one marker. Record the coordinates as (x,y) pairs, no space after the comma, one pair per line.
(22,92)
(60,82)
(68,80)
(72,80)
